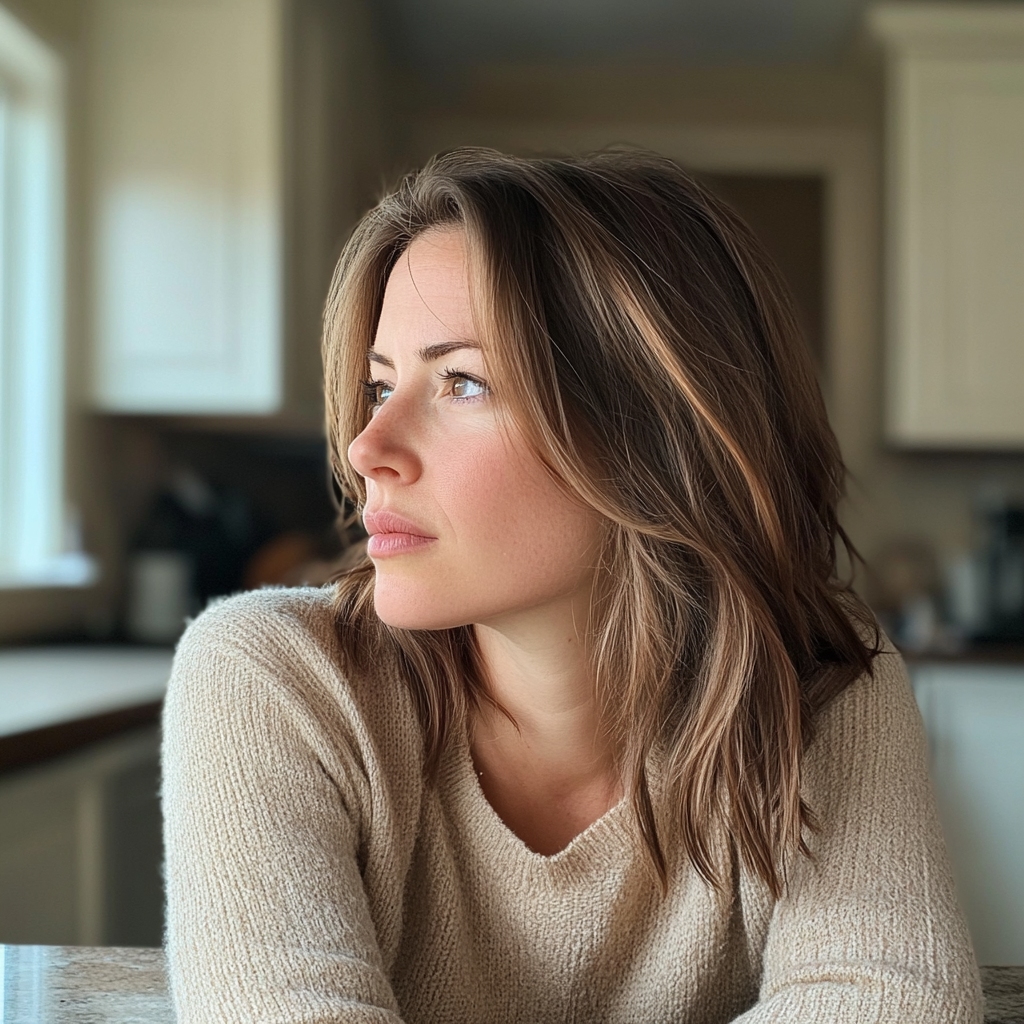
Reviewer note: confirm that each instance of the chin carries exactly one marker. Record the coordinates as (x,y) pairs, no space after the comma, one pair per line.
(411,608)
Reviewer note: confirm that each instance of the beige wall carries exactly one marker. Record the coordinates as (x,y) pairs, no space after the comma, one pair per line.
(59,22)
(799,94)
(337,143)
(893,495)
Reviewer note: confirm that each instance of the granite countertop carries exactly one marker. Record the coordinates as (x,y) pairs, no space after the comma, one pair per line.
(83,985)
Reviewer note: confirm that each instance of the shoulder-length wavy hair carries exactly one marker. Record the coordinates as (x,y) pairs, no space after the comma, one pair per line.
(647,349)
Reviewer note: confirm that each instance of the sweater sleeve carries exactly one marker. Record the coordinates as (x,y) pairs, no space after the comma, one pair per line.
(869,929)
(267,916)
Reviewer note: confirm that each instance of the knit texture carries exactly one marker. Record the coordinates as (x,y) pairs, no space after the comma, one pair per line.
(313,877)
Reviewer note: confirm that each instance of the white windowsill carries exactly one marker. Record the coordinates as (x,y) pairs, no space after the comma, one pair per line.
(74,569)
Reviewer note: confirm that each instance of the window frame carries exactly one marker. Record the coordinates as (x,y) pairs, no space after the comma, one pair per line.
(39,546)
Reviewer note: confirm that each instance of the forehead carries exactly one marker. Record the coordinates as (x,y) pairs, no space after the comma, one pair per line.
(427,293)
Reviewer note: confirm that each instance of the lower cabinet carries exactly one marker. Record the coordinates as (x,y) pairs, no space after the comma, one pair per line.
(974,717)
(81,847)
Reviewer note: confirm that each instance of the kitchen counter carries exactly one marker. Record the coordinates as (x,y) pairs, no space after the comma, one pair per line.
(56,698)
(83,985)
(981,654)
(87,985)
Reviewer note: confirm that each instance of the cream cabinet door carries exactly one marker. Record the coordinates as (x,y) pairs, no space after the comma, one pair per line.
(45,820)
(80,847)
(974,717)
(955,225)
(185,146)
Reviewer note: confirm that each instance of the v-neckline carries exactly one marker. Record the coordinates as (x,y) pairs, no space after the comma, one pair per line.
(612,831)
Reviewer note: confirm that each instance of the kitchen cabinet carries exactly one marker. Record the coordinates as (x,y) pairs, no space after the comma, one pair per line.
(187,204)
(80,847)
(955,224)
(974,718)
(80,842)
(225,171)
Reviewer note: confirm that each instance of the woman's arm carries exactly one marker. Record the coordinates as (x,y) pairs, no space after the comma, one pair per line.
(267,914)
(870,929)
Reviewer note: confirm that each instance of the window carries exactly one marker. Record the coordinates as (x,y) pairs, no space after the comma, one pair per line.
(36,546)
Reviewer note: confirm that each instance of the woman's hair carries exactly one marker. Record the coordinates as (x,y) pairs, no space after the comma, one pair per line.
(648,351)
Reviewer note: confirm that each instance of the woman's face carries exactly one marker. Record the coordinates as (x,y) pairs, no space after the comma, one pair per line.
(466,526)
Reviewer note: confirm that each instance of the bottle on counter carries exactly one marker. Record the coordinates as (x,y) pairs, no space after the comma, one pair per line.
(192,545)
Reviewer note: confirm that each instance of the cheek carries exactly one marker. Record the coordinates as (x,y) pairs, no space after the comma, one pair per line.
(504,508)
(511,539)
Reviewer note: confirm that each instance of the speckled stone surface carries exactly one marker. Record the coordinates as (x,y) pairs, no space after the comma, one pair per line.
(83,985)
(1004,994)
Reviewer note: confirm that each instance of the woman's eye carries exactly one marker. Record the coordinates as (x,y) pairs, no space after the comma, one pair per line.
(376,392)
(464,387)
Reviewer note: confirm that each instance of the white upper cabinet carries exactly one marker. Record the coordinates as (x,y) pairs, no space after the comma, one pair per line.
(186,211)
(955,224)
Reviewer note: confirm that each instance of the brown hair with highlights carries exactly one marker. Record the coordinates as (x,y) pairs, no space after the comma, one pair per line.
(648,351)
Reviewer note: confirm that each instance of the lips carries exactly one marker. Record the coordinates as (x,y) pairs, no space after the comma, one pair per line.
(392,534)
(385,521)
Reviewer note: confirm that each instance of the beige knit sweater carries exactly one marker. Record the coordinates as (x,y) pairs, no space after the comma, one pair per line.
(312,877)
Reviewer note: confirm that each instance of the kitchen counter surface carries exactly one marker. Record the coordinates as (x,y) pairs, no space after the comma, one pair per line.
(53,699)
(988,654)
(85,985)
(44,686)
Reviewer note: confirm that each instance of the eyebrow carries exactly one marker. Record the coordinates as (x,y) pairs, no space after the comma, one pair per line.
(428,353)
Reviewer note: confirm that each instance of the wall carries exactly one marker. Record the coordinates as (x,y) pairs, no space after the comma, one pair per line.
(57,21)
(336,145)
(894,496)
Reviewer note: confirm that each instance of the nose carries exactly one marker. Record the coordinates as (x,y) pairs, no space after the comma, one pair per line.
(385,449)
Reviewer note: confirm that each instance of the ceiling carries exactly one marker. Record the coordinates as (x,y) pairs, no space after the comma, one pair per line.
(453,34)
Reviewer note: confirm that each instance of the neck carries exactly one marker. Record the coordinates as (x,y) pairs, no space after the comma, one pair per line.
(536,666)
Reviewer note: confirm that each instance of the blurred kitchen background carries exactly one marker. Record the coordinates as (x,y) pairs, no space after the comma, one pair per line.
(177,178)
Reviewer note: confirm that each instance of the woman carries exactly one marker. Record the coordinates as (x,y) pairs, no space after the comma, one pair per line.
(592,731)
